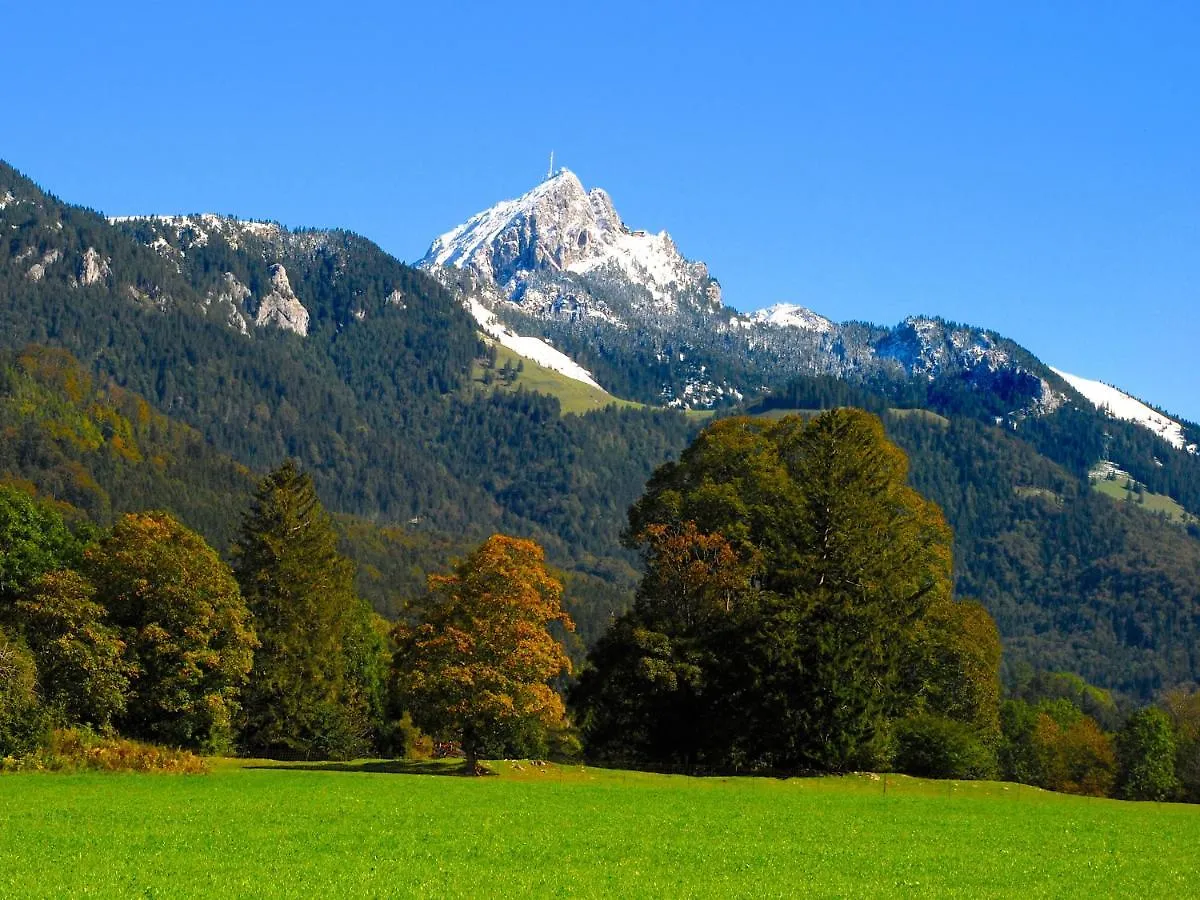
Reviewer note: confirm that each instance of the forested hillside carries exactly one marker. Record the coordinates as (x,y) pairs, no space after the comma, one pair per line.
(1075,580)
(203,352)
(373,401)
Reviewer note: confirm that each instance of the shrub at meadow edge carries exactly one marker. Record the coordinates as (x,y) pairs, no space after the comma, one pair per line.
(79,750)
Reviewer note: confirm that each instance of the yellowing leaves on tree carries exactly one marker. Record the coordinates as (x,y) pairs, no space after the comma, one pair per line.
(477,668)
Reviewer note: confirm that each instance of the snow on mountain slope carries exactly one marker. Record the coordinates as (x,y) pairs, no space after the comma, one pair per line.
(531,348)
(1120,405)
(789,315)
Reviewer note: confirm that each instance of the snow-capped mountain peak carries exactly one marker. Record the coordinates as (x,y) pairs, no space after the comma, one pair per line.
(558,268)
(558,230)
(563,205)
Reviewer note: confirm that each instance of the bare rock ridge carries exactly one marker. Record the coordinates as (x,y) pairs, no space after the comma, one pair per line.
(38,270)
(231,301)
(175,237)
(93,267)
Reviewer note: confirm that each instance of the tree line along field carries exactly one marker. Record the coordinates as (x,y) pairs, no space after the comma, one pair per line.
(365,829)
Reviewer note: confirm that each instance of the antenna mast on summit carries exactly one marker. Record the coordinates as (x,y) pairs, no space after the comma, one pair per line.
(550,174)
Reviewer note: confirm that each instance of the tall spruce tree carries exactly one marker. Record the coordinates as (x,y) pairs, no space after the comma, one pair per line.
(314,675)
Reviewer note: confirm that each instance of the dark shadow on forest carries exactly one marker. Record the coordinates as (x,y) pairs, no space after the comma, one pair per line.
(384,766)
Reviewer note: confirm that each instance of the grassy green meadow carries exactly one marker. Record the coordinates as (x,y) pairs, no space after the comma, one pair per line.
(368,830)
(1156,503)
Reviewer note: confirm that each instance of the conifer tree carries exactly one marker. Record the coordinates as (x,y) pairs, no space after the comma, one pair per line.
(311,688)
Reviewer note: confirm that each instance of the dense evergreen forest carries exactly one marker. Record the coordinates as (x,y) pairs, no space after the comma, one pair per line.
(123,387)
(379,406)
(1075,581)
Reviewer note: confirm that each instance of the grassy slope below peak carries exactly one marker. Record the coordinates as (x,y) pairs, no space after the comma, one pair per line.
(1125,489)
(512,371)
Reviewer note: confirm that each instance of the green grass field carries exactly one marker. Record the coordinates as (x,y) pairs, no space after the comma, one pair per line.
(368,831)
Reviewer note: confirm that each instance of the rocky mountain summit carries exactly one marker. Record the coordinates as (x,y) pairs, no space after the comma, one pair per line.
(559,250)
(560,276)
(560,265)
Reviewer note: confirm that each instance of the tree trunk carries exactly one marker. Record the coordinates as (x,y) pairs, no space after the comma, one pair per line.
(471,750)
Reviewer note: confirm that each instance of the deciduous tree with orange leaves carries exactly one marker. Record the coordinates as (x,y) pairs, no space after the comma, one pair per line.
(477,668)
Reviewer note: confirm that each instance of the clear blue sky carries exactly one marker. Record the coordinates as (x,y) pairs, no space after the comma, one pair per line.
(1028,169)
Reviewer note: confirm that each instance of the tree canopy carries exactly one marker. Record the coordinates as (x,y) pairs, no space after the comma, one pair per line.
(785,610)
(185,626)
(34,540)
(477,668)
(317,681)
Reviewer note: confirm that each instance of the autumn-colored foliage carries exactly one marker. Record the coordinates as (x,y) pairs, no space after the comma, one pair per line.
(78,750)
(477,668)
(692,576)
(1077,758)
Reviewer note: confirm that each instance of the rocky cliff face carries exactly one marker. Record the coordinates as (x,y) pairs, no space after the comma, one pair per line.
(181,240)
(281,307)
(93,267)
